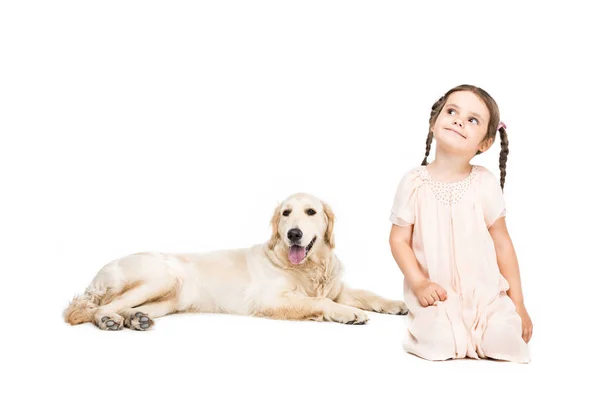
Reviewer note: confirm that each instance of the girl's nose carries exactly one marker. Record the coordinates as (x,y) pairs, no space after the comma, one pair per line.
(458,122)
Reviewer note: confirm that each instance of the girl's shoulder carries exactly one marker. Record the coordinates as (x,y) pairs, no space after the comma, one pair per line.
(485,176)
(416,176)
(421,173)
(413,176)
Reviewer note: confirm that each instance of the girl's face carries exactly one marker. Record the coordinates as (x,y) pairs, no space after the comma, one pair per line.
(462,125)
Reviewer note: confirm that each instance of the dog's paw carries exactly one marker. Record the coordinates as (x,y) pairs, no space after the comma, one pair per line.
(114,322)
(394,307)
(138,321)
(349,316)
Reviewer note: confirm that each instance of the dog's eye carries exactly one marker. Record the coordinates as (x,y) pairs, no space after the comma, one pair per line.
(286,213)
(310,211)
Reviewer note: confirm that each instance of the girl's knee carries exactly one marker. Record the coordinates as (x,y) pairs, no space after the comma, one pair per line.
(432,341)
(504,342)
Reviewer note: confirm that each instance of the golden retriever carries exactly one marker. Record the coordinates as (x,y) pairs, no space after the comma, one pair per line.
(294,276)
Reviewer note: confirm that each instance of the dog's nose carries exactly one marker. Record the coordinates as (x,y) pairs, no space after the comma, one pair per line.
(294,235)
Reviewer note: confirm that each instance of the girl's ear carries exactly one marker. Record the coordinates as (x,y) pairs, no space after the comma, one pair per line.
(485,145)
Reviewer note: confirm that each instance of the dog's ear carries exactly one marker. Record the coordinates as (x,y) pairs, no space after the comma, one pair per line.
(275,227)
(329,239)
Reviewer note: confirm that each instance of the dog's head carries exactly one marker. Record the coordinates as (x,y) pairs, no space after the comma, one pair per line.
(302,224)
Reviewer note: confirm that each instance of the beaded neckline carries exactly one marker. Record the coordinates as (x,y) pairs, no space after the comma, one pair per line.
(448,193)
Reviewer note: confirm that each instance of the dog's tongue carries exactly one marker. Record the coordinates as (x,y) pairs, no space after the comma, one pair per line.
(296,254)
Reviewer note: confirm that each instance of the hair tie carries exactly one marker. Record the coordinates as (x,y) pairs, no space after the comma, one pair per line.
(501,125)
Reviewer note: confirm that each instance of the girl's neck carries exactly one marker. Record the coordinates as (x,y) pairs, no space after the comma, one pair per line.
(447,168)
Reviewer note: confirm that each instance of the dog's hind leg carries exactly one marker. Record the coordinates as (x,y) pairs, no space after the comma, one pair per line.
(110,315)
(142,317)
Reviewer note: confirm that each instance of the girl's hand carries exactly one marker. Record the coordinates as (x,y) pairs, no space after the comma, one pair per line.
(525,323)
(429,292)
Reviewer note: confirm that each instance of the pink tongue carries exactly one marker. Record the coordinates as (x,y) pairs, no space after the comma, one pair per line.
(296,254)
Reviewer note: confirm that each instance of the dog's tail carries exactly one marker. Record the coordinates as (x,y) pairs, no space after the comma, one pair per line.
(82,308)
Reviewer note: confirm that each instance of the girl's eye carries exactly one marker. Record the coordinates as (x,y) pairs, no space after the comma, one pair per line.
(451,111)
(474,121)
(286,213)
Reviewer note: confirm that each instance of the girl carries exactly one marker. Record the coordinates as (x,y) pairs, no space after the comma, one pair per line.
(450,240)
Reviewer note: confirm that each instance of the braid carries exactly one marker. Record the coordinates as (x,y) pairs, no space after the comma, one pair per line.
(435,111)
(503,155)
(427,147)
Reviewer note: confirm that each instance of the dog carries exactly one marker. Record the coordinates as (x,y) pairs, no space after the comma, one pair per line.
(294,276)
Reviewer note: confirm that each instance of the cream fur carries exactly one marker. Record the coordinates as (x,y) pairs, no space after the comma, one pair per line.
(259,280)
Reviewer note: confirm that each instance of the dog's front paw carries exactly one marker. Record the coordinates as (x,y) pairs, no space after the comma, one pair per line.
(349,316)
(394,307)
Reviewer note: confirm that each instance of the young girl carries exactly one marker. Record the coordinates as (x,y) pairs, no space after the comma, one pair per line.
(450,240)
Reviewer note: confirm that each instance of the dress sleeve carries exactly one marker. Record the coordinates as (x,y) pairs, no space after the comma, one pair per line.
(491,196)
(403,208)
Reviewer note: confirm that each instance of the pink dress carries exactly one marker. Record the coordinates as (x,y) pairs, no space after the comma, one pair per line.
(454,248)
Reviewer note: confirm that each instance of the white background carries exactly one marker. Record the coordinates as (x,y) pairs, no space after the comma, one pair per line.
(179,126)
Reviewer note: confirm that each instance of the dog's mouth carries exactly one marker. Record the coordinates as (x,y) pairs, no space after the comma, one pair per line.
(297,254)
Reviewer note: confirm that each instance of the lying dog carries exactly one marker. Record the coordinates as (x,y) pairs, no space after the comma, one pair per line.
(294,276)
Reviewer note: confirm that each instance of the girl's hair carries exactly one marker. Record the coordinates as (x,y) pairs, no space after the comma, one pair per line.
(491,129)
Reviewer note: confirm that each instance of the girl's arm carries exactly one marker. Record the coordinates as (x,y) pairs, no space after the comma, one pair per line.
(509,268)
(427,292)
